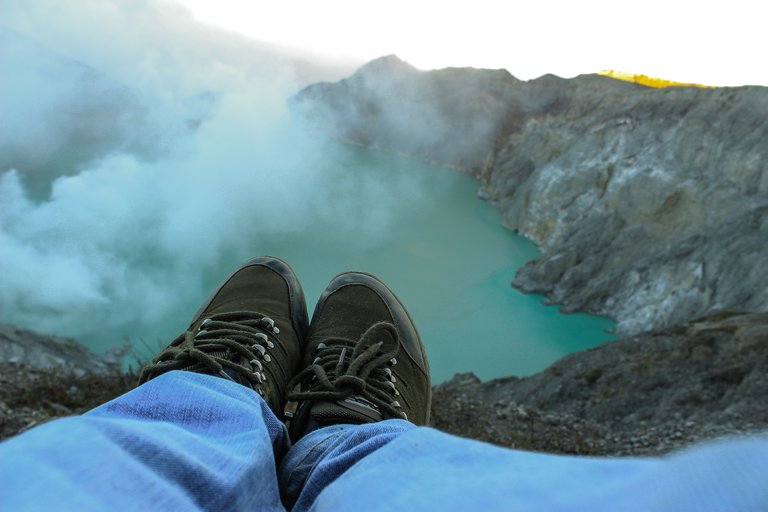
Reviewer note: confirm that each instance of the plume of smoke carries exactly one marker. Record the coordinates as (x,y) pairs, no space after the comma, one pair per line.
(138,150)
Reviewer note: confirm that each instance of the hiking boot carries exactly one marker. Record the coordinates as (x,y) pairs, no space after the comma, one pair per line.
(363,361)
(250,331)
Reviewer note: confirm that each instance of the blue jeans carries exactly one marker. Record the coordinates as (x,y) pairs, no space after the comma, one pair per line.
(186,441)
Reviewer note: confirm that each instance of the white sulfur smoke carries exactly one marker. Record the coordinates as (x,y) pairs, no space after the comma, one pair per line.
(139,150)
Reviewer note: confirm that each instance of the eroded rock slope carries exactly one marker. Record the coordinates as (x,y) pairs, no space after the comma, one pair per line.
(649,205)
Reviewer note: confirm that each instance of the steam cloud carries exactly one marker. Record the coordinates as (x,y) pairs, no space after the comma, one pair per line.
(138,149)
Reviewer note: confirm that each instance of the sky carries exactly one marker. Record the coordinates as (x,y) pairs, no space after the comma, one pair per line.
(715,43)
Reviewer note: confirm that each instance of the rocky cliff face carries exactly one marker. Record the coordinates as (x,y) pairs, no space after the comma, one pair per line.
(649,205)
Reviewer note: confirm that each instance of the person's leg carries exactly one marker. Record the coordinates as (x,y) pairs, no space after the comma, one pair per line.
(181,440)
(393,465)
(323,455)
(364,362)
(365,372)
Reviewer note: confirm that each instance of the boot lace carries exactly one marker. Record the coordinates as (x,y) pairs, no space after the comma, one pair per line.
(362,368)
(226,344)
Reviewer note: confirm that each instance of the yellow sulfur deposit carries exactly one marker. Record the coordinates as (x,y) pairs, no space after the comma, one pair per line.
(646,80)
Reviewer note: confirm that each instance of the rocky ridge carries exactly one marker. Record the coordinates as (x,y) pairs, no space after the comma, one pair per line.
(649,206)
(35,350)
(642,395)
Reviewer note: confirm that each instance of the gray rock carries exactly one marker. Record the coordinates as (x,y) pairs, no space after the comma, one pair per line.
(40,351)
(649,206)
(645,394)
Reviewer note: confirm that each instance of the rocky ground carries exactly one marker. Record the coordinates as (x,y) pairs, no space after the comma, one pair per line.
(45,377)
(31,396)
(641,395)
(645,394)
(649,206)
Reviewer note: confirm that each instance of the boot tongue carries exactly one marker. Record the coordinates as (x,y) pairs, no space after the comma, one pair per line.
(353,409)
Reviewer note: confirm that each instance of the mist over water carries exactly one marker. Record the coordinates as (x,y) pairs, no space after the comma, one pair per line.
(138,150)
(143,156)
(451,263)
(443,251)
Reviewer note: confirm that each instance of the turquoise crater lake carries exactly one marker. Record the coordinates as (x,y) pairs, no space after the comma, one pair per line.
(423,231)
